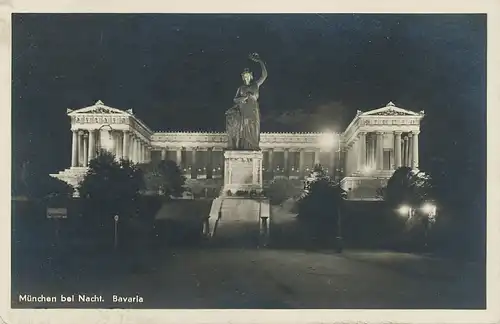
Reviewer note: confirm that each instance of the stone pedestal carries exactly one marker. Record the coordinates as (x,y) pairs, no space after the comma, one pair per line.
(243,172)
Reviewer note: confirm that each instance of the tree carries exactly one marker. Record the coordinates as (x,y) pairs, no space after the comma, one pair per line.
(322,197)
(111,185)
(165,177)
(34,184)
(280,190)
(321,204)
(408,186)
(409,189)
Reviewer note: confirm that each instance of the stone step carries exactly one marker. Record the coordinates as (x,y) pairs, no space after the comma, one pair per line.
(239,221)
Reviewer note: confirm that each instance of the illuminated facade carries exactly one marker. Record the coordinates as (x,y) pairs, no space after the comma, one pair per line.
(374,144)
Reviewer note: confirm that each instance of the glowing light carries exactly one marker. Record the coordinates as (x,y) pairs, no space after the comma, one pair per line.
(429,208)
(404,210)
(327,140)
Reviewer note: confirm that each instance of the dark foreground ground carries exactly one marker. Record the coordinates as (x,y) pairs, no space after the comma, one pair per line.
(208,277)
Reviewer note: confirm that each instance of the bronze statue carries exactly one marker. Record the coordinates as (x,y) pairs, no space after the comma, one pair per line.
(243,119)
(233,127)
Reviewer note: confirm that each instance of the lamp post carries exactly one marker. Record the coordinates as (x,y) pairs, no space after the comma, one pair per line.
(116,231)
(328,141)
(429,210)
(339,210)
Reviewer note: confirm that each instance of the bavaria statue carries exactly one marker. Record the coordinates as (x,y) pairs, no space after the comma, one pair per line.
(243,119)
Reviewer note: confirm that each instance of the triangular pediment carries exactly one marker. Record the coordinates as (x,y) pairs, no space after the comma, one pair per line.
(391,110)
(98,108)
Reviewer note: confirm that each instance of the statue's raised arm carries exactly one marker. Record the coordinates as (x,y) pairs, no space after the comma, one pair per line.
(256,58)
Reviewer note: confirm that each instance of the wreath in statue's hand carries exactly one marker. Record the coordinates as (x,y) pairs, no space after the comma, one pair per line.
(254,57)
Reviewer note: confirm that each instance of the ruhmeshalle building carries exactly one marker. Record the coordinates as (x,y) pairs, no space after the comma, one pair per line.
(375,143)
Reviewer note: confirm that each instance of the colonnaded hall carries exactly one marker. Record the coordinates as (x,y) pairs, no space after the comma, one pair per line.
(374,144)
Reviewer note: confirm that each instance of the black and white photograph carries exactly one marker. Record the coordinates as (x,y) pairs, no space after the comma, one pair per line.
(327,161)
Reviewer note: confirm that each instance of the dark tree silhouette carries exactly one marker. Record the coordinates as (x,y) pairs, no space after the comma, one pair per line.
(320,206)
(407,186)
(29,181)
(112,185)
(165,177)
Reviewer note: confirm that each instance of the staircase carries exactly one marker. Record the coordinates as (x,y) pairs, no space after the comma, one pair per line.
(71,176)
(237,223)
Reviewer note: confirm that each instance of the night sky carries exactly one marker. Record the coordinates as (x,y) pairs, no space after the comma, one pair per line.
(180,72)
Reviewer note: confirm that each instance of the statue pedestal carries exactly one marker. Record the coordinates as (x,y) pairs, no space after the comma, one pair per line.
(242,173)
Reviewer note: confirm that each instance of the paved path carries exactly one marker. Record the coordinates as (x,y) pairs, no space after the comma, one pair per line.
(252,278)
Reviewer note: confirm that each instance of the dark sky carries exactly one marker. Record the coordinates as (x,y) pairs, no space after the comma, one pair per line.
(181,72)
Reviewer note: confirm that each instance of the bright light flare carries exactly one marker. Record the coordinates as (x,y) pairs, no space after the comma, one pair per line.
(429,208)
(327,140)
(403,210)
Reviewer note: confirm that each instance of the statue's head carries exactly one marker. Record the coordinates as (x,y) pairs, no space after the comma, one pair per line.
(247,76)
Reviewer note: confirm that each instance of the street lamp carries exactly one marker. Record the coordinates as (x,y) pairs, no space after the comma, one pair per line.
(429,210)
(328,141)
(115,218)
(405,210)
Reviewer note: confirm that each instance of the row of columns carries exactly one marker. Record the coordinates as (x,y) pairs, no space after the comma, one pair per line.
(123,144)
(194,170)
(269,168)
(368,151)
(286,167)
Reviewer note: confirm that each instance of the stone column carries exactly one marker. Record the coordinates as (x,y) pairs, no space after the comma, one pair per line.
(74,149)
(397,149)
(301,163)
(355,155)
(406,150)
(85,150)
(410,149)
(142,154)
(209,165)
(132,147)
(80,148)
(316,157)
(414,145)
(347,159)
(164,154)
(380,151)
(362,151)
(271,164)
(125,144)
(285,162)
(137,150)
(371,151)
(194,170)
(92,151)
(178,156)
(119,145)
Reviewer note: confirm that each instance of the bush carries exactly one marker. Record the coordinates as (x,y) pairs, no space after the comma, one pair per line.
(165,177)
(319,207)
(111,187)
(280,190)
